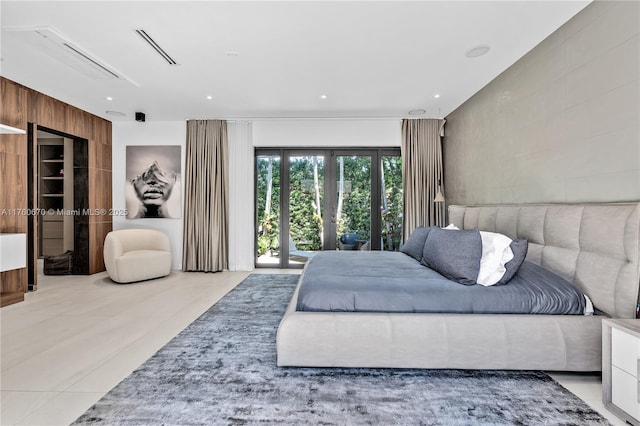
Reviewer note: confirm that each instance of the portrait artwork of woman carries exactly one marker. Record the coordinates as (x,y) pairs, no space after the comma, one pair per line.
(153,190)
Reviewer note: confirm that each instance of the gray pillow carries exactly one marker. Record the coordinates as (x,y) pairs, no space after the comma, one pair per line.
(519,249)
(454,254)
(415,243)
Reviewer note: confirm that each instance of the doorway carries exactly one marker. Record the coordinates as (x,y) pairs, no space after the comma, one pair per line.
(58,199)
(308,200)
(55,193)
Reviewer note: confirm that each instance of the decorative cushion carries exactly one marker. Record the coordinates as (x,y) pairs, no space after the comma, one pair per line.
(519,249)
(454,254)
(415,243)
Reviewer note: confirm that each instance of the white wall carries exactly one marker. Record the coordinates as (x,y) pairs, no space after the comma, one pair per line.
(327,133)
(148,133)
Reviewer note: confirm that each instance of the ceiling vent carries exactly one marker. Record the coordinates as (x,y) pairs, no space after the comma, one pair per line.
(88,63)
(55,45)
(156,47)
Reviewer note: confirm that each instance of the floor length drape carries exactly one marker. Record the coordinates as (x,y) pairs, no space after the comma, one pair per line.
(421,173)
(206,217)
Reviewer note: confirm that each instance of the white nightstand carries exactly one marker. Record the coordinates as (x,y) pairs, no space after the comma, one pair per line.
(621,367)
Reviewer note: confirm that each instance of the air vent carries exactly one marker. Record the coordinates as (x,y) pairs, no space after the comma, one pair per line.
(156,47)
(87,59)
(50,42)
(84,57)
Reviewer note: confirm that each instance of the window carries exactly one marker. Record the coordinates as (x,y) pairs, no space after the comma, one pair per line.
(309,200)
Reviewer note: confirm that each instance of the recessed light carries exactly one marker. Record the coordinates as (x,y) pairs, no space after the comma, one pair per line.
(437,95)
(209,97)
(109,98)
(116,113)
(323,96)
(417,112)
(474,52)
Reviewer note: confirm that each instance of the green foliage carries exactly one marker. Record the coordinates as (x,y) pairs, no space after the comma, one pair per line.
(268,222)
(305,223)
(392,215)
(263,244)
(268,236)
(356,210)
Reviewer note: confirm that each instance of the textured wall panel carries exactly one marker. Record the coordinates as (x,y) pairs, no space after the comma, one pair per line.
(561,125)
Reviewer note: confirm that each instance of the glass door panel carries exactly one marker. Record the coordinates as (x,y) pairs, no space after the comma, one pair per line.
(353,204)
(306,207)
(268,210)
(391,202)
(309,200)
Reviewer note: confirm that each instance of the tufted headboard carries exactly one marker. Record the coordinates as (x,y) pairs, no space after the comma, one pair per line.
(595,246)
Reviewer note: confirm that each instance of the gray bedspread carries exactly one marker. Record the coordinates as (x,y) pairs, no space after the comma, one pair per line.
(375,281)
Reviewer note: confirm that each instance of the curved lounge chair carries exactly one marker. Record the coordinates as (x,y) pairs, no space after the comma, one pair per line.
(137,254)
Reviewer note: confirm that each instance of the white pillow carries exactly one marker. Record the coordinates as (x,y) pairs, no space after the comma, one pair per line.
(451,226)
(588,308)
(496,252)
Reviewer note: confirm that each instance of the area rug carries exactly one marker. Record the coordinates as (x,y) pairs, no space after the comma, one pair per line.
(222,370)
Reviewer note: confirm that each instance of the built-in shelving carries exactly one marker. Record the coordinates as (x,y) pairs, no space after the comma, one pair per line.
(55,198)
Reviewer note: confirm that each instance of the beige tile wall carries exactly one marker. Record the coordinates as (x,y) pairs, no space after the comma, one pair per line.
(560,125)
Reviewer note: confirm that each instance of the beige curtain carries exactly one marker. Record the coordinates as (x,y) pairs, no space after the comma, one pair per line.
(421,171)
(206,216)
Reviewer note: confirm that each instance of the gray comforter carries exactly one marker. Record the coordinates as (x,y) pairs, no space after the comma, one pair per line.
(375,281)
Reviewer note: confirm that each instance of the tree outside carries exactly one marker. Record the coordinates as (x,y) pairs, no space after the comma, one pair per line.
(307,200)
(268,200)
(391,203)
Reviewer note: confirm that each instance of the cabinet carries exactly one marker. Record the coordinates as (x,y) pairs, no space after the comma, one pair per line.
(55,196)
(621,367)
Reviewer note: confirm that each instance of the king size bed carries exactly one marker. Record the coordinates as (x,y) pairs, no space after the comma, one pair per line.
(594,247)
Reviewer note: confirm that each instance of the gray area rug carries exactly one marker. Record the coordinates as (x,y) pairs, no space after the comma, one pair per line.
(222,370)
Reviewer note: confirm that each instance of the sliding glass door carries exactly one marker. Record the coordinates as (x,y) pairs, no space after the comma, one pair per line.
(305,207)
(332,199)
(390,201)
(268,209)
(351,211)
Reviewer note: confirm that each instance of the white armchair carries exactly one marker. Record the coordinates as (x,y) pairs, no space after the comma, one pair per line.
(136,255)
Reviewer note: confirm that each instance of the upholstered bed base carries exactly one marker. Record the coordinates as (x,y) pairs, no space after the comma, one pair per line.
(594,246)
(504,342)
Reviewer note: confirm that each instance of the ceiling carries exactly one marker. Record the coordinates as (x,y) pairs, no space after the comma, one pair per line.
(271,59)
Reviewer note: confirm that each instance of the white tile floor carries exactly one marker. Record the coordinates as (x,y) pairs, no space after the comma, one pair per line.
(75,338)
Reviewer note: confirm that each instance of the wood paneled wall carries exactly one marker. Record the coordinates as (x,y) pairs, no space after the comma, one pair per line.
(19,106)
(13,193)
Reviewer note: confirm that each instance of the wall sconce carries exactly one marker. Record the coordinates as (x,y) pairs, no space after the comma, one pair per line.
(439,196)
(439,200)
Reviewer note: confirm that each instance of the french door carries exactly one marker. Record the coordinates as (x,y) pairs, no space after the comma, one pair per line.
(308,200)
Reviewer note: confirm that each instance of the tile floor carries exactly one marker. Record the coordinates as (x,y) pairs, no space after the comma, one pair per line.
(76,337)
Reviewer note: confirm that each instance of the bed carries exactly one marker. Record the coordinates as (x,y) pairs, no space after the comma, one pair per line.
(594,246)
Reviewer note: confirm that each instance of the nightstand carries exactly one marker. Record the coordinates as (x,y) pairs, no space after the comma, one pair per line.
(620,368)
